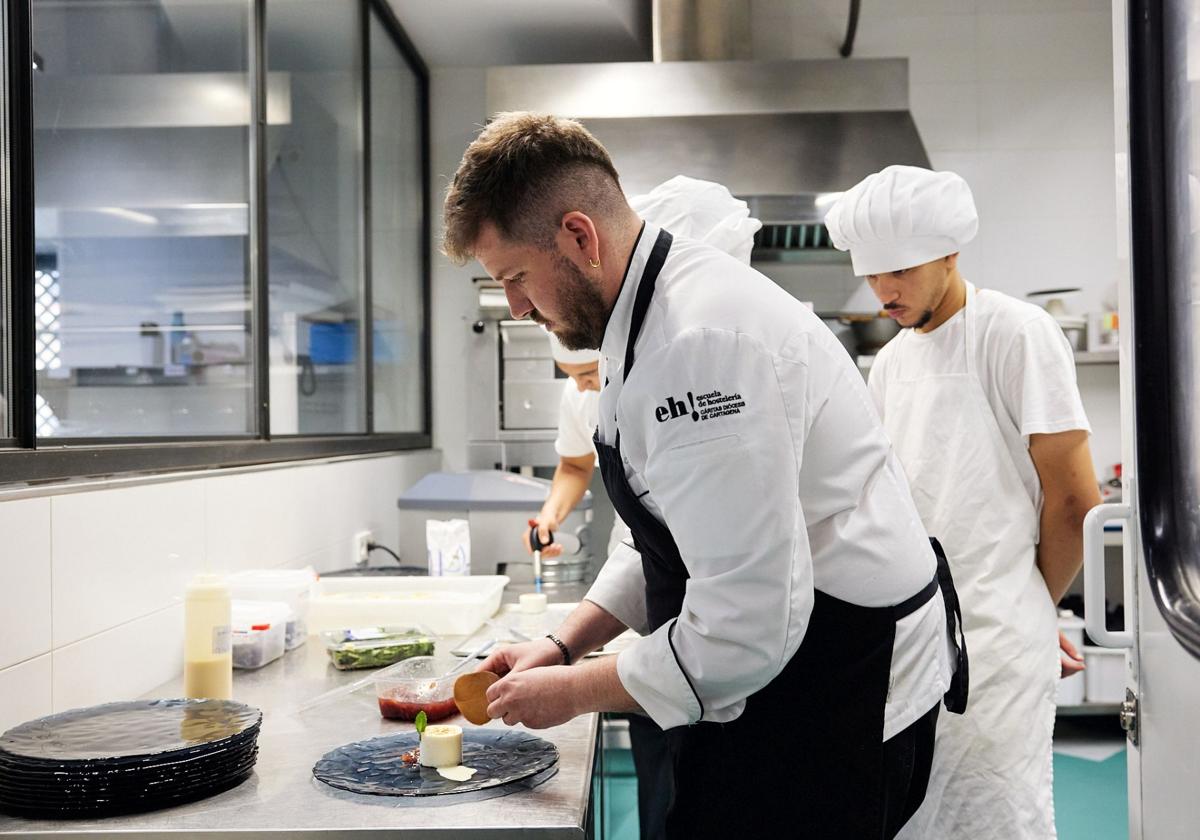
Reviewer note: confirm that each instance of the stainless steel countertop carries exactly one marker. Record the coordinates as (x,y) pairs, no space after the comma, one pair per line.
(282,799)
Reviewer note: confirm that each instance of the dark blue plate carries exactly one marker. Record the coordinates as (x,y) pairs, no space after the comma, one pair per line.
(376,766)
(131,732)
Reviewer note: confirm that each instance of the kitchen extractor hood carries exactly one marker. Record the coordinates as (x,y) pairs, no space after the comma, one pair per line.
(787,133)
(787,136)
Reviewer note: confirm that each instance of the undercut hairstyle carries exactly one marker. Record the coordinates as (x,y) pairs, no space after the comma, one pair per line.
(523,173)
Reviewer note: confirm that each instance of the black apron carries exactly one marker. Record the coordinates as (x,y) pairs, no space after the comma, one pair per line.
(806,756)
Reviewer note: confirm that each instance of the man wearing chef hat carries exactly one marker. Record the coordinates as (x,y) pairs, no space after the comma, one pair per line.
(979,398)
(696,209)
(796,642)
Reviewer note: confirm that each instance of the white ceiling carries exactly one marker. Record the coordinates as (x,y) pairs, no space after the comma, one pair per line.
(484,33)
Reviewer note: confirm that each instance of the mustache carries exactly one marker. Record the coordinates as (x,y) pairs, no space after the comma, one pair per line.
(538,318)
(892,306)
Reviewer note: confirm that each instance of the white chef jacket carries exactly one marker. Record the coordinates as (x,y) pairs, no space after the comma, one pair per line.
(749,433)
(1024,363)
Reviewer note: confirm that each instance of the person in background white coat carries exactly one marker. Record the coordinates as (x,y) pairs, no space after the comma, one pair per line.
(577,412)
(706,212)
(978,396)
(796,641)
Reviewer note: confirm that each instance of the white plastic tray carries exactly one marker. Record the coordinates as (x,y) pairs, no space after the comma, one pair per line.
(448,606)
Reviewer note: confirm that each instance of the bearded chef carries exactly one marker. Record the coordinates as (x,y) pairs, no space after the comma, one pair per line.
(795,643)
(978,396)
(706,212)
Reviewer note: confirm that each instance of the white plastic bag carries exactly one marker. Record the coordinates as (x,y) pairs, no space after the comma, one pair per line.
(448,546)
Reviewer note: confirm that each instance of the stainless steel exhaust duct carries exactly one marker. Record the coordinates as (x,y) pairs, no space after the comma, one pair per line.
(701,30)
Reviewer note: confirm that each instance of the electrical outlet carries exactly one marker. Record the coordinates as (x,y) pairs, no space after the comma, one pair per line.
(362,542)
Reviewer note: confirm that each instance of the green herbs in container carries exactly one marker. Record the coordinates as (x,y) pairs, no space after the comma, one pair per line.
(374,647)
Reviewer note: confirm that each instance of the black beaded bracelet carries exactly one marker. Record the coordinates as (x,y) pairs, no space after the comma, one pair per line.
(566,654)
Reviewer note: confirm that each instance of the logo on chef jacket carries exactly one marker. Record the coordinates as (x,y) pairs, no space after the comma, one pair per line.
(704,407)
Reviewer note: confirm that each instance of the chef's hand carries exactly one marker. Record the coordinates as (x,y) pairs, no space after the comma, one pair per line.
(514,658)
(537,698)
(1072,663)
(545,525)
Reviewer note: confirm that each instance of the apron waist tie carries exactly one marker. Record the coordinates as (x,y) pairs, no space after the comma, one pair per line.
(956,696)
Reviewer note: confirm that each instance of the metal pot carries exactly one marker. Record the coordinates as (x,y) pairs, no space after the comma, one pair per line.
(871,332)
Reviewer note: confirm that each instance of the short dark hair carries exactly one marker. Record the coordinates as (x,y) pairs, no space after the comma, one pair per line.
(523,173)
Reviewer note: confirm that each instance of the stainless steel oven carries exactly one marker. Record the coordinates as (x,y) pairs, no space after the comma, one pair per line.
(514,389)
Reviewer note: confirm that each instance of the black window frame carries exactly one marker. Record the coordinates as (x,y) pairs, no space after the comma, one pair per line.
(1163,338)
(51,460)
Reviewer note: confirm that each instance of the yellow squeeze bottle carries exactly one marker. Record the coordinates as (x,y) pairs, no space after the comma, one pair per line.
(207,639)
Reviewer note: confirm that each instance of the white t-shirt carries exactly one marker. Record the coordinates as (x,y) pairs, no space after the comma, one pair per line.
(578,412)
(577,415)
(1024,363)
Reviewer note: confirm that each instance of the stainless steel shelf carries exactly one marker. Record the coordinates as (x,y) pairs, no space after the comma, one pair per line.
(1096,357)
(1080,709)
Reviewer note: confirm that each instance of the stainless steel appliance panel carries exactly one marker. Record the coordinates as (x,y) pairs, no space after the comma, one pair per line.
(525,369)
(524,340)
(532,404)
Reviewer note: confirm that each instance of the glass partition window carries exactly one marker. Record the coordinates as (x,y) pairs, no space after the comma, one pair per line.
(220,235)
(397,215)
(6,431)
(141,116)
(314,217)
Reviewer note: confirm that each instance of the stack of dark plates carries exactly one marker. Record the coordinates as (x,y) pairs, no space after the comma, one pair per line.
(126,757)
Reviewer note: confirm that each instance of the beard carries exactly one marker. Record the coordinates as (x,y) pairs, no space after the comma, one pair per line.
(584,315)
(925,318)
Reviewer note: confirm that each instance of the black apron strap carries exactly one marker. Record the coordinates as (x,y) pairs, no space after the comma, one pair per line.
(641,303)
(907,607)
(956,696)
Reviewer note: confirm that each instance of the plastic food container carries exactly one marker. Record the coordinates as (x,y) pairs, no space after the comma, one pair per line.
(259,632)
(417,685)
(290,586)
(1105,674)
(448,606)
(374,647)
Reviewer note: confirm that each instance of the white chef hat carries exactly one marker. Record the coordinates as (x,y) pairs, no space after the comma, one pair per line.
(570,357)
(700,210)
(902,216)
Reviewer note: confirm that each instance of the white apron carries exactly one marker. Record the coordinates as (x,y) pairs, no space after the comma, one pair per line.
(992,767)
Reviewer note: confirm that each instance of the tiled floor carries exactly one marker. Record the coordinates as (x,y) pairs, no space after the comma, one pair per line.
(1090,796)
(1089,785)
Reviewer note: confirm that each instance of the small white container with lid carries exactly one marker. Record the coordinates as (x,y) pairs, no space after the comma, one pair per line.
(288,585)
(259,629)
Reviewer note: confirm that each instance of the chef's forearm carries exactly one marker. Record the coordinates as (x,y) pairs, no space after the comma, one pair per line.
(1064,465)
(588,627)
(1060,548)
(570,482)
(598,688)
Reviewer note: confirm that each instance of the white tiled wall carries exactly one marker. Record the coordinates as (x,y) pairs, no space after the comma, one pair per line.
(1016,96)
(91,581)
(25,617)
